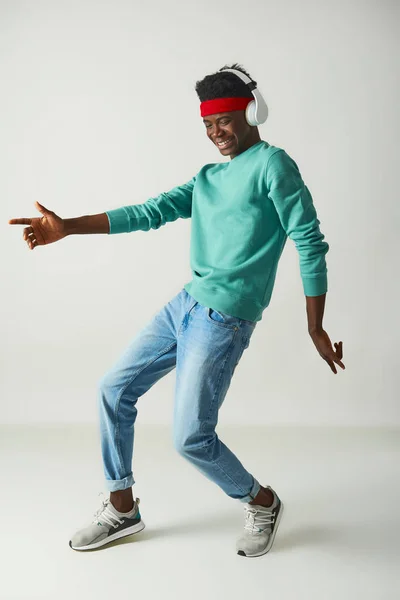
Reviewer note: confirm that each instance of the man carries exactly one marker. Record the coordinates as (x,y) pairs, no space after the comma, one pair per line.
(242,212)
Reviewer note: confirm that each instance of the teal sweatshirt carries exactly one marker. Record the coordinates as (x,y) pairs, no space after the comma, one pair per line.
(242,212)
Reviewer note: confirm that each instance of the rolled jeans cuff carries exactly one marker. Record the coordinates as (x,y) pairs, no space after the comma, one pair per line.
(113,485)
(253,492)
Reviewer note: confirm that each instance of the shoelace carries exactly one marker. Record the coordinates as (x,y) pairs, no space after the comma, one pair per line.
(256,519)
(106,515)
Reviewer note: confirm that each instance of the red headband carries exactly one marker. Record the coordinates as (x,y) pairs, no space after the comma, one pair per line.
(213,107)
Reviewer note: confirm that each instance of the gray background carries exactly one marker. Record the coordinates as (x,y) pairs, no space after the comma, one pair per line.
(98,110)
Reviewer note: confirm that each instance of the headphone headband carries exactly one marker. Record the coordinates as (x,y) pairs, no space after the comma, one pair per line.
(257,109)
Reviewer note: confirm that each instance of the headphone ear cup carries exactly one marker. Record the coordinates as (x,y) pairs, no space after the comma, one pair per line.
(251,113)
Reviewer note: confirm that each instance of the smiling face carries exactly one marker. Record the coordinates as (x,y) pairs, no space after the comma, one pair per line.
(230,132)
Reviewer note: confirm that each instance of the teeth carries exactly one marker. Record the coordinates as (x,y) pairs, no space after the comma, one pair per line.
(224,143)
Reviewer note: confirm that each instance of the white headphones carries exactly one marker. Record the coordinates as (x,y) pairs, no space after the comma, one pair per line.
(257,109)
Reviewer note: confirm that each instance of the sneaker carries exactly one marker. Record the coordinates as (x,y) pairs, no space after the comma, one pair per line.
(260,527)
(108,525)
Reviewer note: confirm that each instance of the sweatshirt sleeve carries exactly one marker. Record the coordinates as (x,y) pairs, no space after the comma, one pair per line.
(155,212)
(297,214)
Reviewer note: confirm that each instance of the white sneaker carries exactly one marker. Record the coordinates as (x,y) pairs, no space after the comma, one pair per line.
(260,527)
(108,525)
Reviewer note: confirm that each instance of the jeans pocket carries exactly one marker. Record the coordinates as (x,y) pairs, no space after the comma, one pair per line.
(222,319)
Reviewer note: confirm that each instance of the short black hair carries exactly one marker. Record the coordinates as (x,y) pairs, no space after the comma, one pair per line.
(223,85)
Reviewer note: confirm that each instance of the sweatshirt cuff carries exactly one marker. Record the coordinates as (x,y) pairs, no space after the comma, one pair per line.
(315,286)
(119,221)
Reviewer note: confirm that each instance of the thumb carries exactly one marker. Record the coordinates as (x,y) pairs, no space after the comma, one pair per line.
(42,208)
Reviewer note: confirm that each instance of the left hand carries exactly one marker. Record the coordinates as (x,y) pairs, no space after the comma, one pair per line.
(324,346)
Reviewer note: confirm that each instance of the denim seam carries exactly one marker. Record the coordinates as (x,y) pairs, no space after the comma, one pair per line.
(186,318)
(117,436)
(242,349)
(228,354)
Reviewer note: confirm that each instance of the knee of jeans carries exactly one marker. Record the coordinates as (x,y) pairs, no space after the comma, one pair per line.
(104,382)
(180,443)
(105,386)
(190,444)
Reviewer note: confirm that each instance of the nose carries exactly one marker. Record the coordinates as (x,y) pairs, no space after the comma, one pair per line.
(217,132)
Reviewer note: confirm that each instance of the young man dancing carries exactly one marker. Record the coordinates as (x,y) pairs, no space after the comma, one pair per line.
(242,212)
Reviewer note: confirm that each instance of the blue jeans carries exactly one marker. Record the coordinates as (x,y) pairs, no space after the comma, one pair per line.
(205,346)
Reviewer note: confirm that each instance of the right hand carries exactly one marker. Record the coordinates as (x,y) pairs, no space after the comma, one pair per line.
(42,230)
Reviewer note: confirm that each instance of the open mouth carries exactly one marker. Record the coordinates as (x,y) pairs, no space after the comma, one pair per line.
(225,143)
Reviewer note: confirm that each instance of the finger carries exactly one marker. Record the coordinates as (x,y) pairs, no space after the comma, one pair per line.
(42,208)
(27,232)
(336,358)
(32,243)
(20,221)
(331,364)
(339,349)
(333,357)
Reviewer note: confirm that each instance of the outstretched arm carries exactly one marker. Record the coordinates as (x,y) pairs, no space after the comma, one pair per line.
(155,212)
(168,206)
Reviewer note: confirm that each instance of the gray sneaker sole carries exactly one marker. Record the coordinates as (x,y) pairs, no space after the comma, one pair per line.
(111,538)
